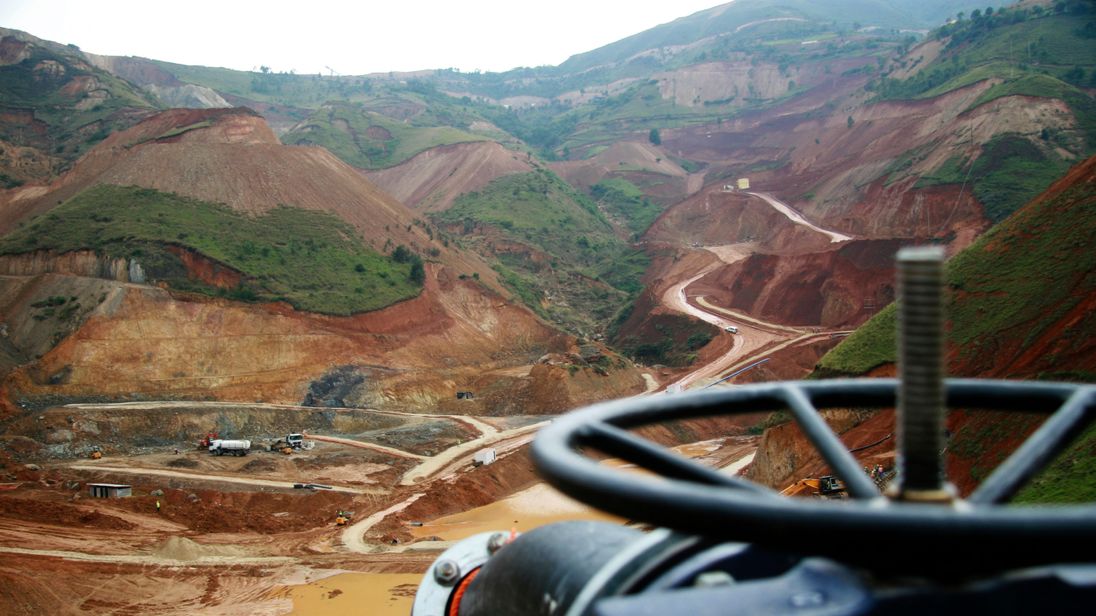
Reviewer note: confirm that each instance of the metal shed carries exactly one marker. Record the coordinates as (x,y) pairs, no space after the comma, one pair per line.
(110,490)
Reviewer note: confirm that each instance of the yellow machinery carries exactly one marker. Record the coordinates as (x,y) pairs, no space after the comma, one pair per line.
(825,487)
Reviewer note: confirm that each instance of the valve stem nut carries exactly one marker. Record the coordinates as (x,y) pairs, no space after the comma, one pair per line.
(446,572)
(495,543)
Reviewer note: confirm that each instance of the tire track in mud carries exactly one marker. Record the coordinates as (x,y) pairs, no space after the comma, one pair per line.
(145,559)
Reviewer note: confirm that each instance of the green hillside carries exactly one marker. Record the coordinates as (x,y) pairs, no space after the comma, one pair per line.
(73,105)
(551,245)
(1015,283)
(1019,307)
(265,85)
(626,201)
(1024,52)
(308,259)
(724,19)
(387,129)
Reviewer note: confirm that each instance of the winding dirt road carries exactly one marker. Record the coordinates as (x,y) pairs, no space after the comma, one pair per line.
(798,218)
(755,338)
(453,458)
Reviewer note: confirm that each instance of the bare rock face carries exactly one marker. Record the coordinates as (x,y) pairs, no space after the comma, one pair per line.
(188,95)
(76,263)
(784,452)
(13,51)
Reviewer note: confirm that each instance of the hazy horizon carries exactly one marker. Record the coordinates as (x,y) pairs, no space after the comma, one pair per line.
(349,39)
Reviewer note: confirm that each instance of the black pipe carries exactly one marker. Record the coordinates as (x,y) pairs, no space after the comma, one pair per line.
(543,571)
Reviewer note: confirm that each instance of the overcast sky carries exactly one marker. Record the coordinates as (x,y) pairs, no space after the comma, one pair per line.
(350,37)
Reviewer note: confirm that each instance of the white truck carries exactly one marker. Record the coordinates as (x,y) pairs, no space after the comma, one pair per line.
(484,457)
(221,447)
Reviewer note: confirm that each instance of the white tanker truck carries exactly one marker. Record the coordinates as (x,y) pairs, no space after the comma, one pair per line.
(221,447)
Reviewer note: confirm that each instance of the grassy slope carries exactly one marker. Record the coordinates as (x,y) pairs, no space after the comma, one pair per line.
(344,129)
(1027,271)
(888,14)
(574,255)
(309,259)
(625,200)
(304,91)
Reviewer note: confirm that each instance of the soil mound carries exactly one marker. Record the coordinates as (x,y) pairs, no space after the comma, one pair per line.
(715,218)
(181,548)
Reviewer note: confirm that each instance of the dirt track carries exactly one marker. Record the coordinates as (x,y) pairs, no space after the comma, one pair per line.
(461,454)
(251,481)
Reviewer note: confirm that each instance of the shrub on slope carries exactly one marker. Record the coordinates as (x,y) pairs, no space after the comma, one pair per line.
(310,259)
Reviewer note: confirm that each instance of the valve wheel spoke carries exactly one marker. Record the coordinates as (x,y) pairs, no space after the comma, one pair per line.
(658,460)
(1039,450)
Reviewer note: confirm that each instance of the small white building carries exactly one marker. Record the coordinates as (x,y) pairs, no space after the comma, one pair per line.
(110,490)
(743,183)
(484,457)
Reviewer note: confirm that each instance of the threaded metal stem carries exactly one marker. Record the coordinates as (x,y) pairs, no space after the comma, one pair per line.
(921,398)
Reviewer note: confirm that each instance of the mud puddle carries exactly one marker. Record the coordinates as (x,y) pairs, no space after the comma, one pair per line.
(376,594)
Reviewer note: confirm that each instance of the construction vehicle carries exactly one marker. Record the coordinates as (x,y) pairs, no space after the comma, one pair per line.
(221,447)
(96,453)
(207,440)
(289,443)
(342,518)
(826,486)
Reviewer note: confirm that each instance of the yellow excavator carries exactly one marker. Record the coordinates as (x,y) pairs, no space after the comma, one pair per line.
(342,518)
(96,453)
(826,486)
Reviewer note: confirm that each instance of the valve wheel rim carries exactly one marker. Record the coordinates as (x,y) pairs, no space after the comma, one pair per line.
(979,534)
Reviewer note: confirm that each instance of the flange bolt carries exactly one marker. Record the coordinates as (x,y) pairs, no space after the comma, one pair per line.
(446,572)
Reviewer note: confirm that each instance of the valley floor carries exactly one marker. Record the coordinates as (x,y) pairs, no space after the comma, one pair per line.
(257,534)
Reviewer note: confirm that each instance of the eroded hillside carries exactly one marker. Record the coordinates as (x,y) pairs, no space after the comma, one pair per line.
(1021,304)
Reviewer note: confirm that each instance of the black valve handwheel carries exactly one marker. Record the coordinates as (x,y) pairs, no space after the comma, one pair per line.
(977,535)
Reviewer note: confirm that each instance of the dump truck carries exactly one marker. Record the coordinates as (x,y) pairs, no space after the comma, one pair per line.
(222,447)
